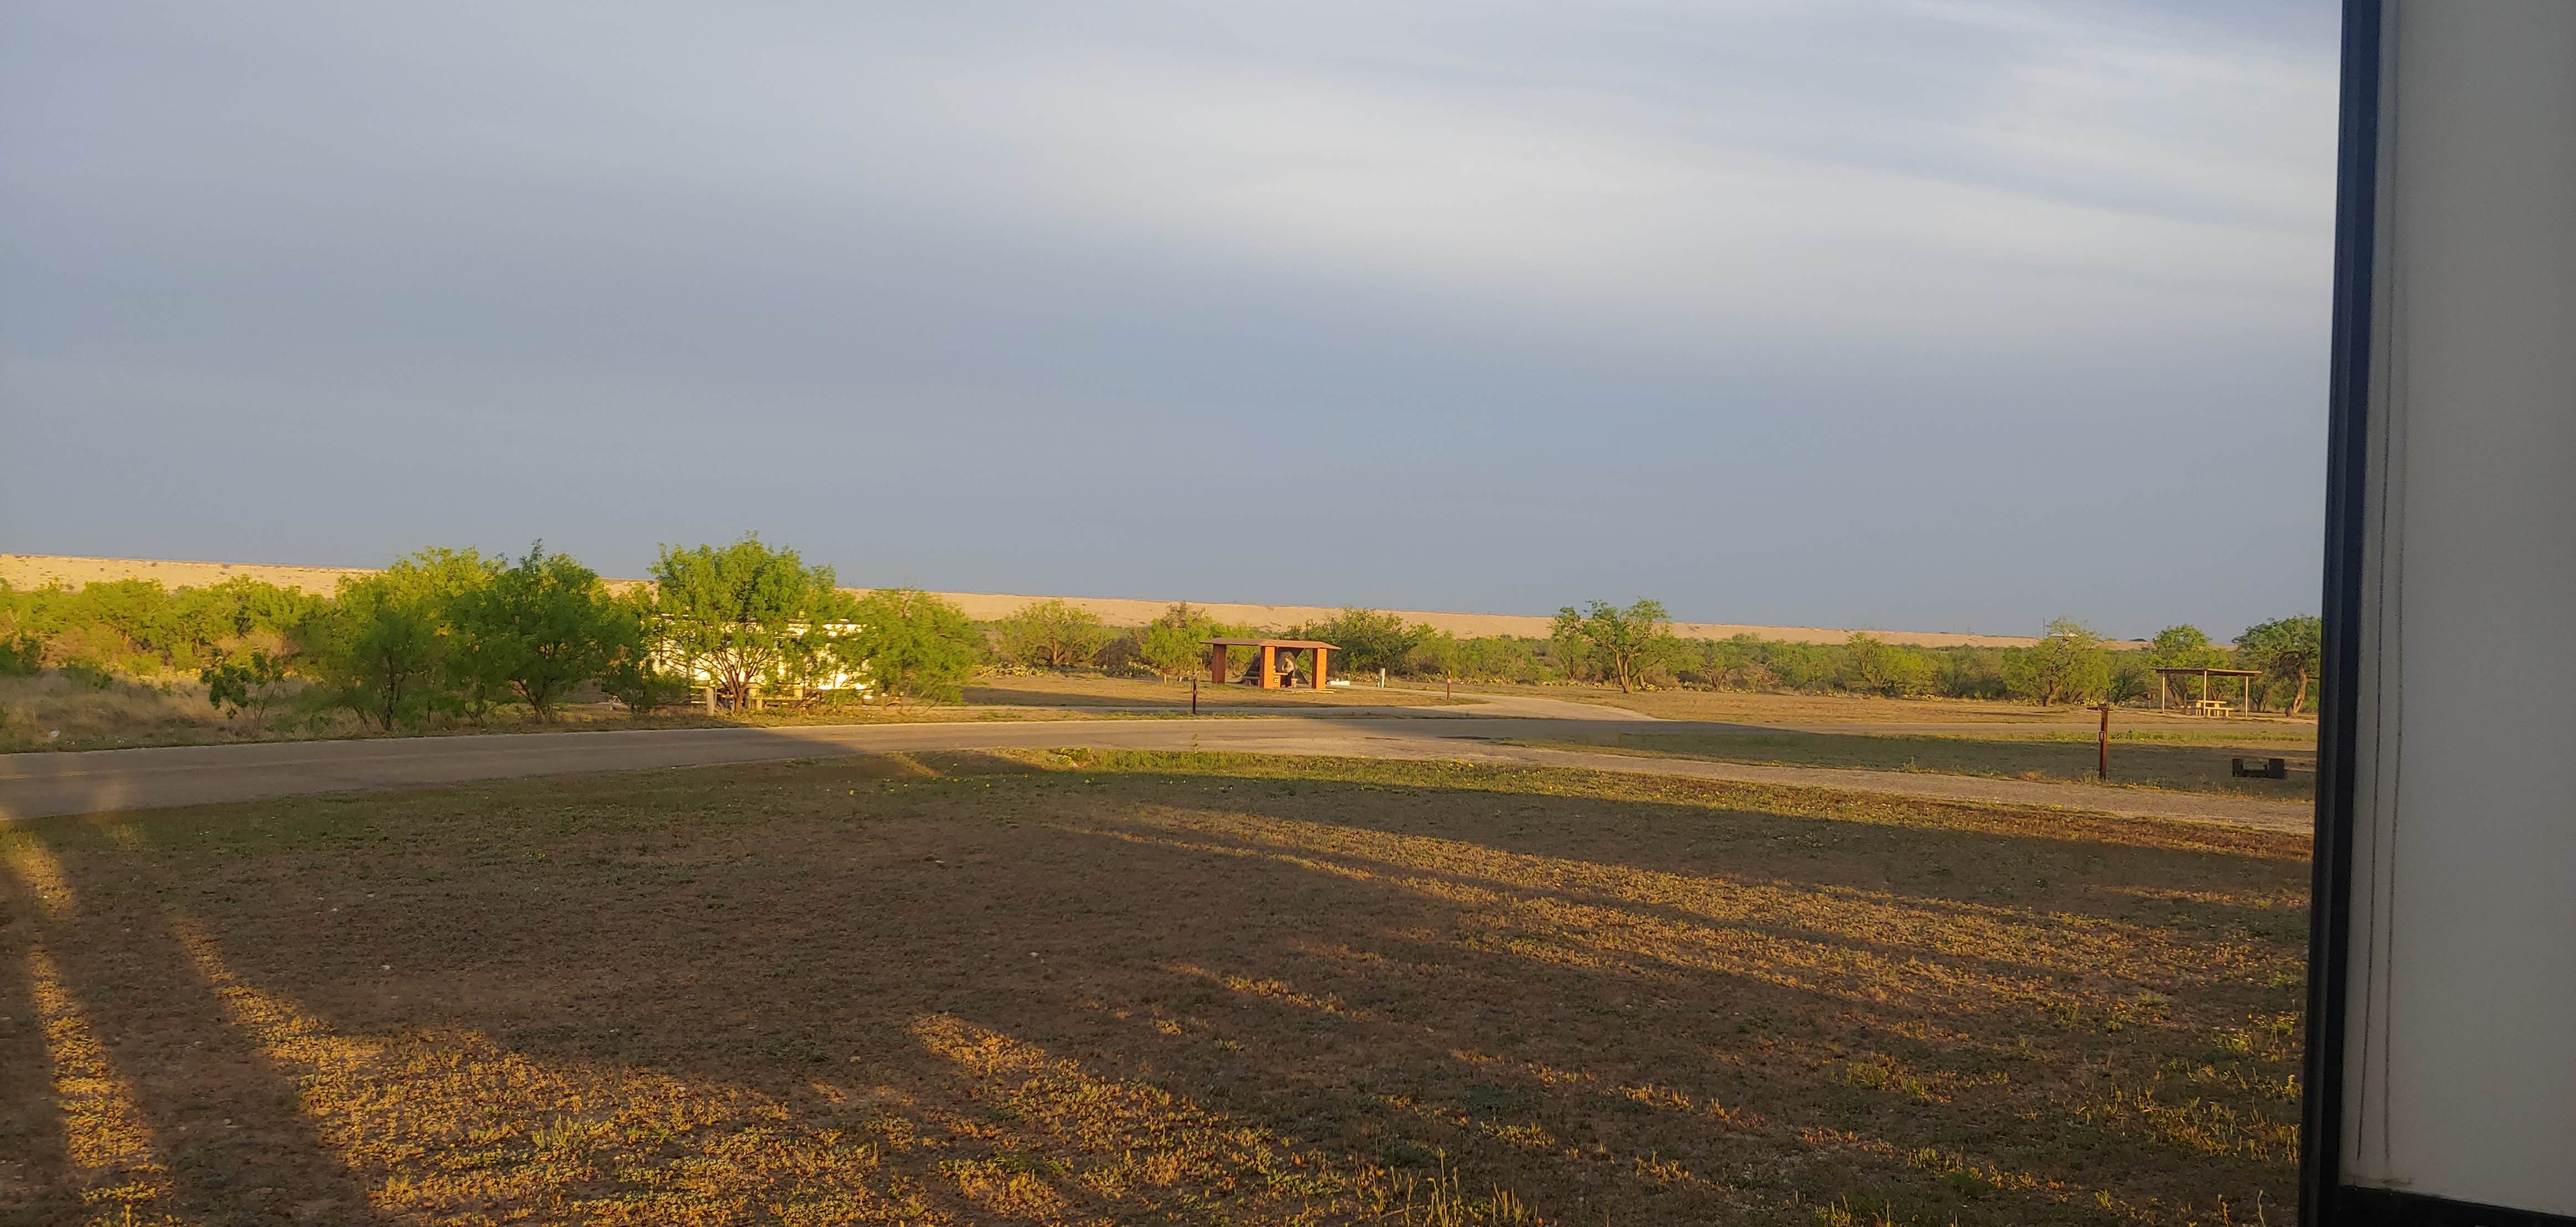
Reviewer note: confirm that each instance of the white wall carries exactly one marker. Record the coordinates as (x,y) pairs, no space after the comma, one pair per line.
(2461,1066)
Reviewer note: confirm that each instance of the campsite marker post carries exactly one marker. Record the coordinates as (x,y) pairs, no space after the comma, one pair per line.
(2103,772)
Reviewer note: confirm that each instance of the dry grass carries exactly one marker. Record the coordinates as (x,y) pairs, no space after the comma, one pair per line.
(1739,707)
(52,712)
(2187,762)
(1089,690)
(1175,988)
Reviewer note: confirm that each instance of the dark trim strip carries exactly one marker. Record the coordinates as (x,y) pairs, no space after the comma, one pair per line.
(2388,1208)
(2347,465)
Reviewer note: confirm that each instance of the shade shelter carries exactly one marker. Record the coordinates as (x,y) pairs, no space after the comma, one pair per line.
(1270,675)
(2206,706)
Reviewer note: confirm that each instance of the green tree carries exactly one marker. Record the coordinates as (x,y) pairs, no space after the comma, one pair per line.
(1621,644)
(2181,646)
(2287,649)
(2069,662)
(386,647)
(639,673)
(250,681)
(1173,643)
(1871,665)
(911,644)
(1972,673)
(744,616)
(21,655)
(1052,633)
(543,626)
(1370,640)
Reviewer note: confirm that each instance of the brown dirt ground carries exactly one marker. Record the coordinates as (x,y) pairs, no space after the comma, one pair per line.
(1144,988)
(1746,707)
(1089,690)
(2173,762)
(44,714)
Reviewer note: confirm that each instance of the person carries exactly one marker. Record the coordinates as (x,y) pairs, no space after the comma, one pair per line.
(1287,669)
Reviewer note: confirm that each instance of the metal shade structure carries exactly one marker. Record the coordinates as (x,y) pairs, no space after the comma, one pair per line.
(2165,674)
(2441,1063)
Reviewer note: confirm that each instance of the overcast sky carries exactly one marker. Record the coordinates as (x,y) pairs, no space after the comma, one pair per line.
(1911,315)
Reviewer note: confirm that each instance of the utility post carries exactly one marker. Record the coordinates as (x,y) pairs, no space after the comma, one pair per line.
(1194,694)
(2104,742)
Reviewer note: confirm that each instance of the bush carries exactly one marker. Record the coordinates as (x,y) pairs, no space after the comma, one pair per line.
(21,656)
(1491,658)
(386,648)
(1971,673)
(134,627)
(1171,643)
(1614,643)
(251,683)
(744,617)
(80,674)
(542,627)
(635,674)
(1052,634)
(2069,663)
(1872,666)
(1175,643)
(1369,640)
(912,644)
(2287,651)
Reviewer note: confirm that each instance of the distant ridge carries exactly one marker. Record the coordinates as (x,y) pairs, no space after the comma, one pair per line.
(37,570)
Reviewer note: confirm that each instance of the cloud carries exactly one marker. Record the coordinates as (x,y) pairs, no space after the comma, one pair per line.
(1024,246)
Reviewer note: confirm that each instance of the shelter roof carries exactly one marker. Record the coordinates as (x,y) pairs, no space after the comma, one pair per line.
(2196,671)
(1273,643)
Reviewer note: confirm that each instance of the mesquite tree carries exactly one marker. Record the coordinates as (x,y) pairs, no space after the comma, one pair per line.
(744,616)
(1621,643)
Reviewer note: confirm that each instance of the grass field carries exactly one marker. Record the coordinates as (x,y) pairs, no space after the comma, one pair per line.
(51,713)
(1144,988)
(2190,761)
(1092,690)
(1749,707)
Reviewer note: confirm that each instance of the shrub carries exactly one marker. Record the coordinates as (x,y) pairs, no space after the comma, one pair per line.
(1051,634)
(635,674)
(1872,666)
(386,647)
(2287,651)
(912,644)
(1171,644)
(541,627)
(250,683)
(1618,644)
(744,616)
(134,627)
(1369,640)
(1971,673)
(2069,662)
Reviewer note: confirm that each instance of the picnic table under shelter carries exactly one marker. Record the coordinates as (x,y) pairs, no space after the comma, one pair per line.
(1277,667)
(2205,705)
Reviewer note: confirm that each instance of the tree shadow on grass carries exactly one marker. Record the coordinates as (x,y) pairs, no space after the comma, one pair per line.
(155,1105)
(1119,991)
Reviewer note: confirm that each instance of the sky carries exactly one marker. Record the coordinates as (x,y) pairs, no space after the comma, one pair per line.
(1899,314)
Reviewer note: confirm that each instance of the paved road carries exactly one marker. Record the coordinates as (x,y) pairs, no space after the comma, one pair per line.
(98,781)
